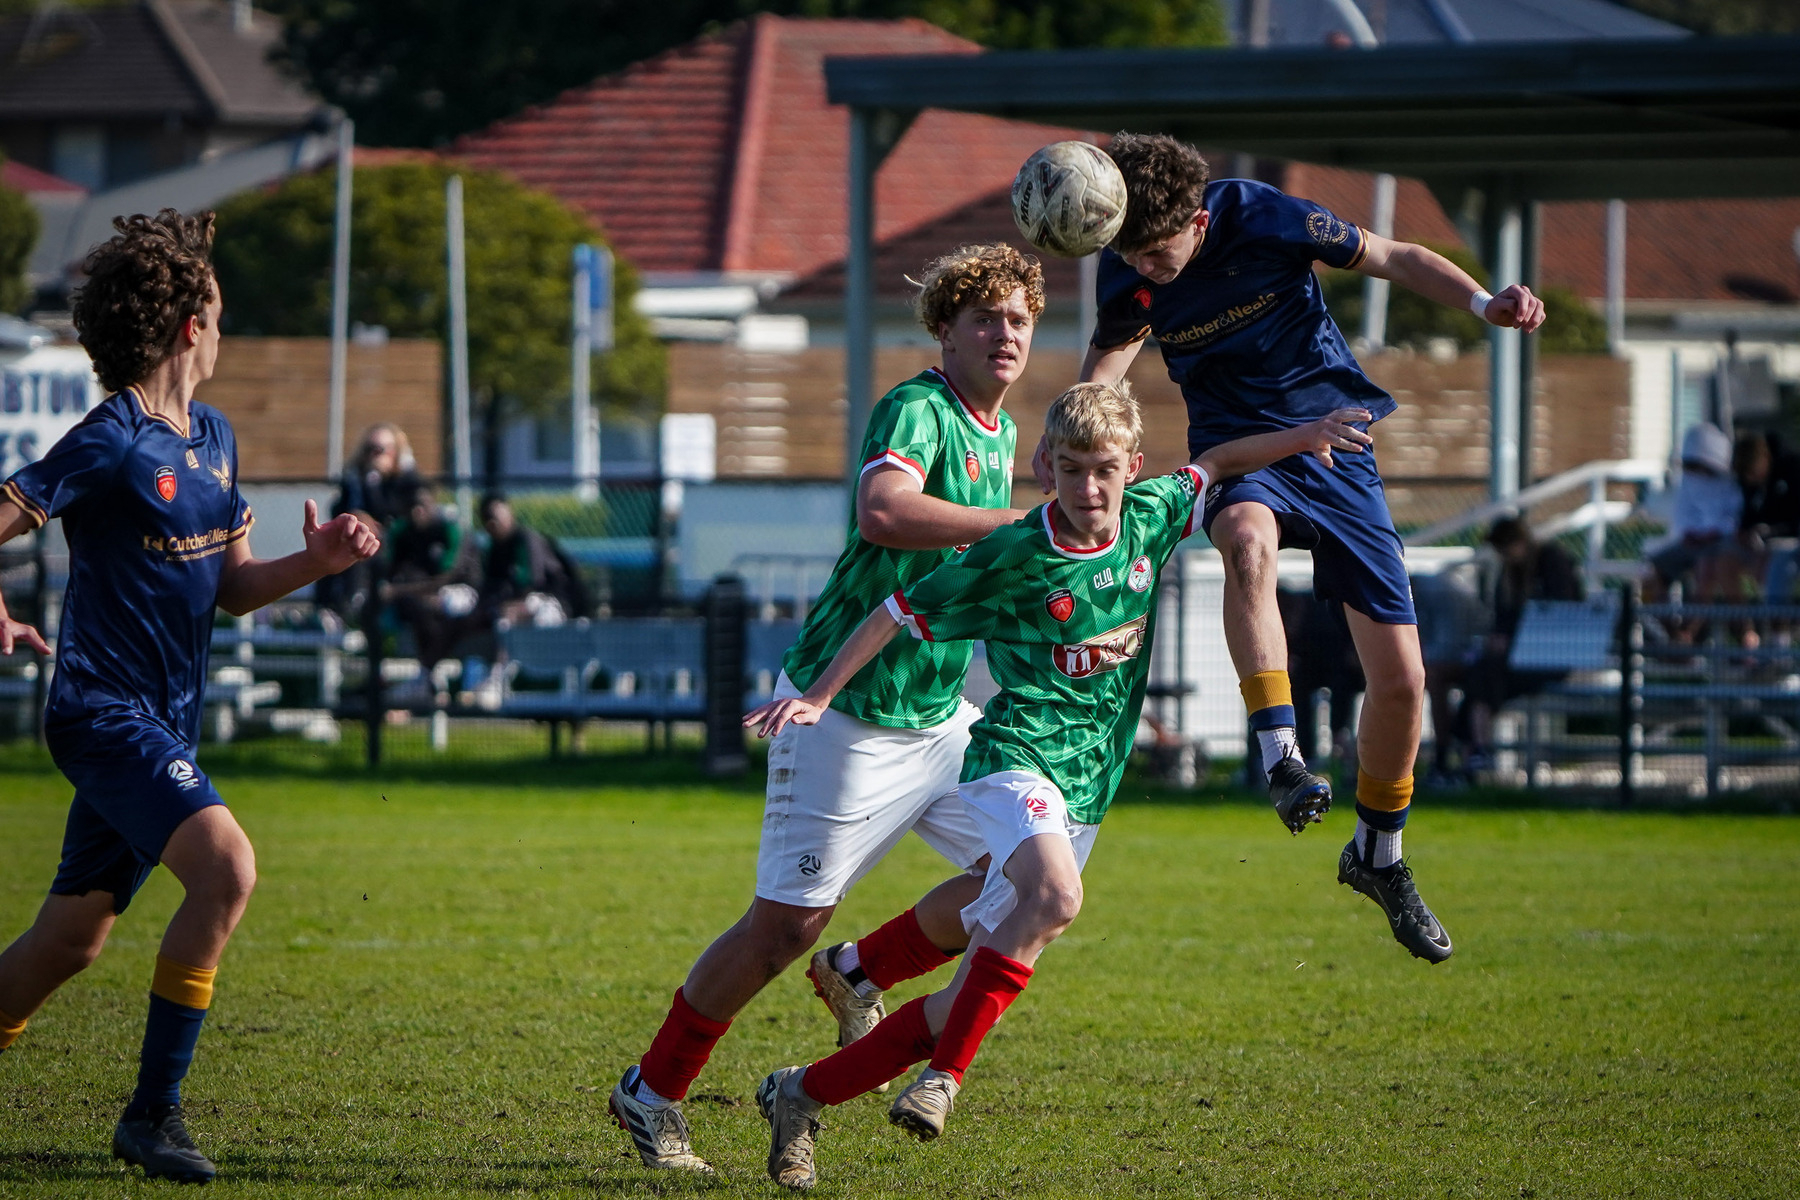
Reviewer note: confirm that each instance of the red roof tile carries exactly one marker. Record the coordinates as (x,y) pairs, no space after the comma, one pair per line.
(31,181)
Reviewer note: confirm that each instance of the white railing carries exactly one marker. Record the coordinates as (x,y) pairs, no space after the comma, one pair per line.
(1593,517)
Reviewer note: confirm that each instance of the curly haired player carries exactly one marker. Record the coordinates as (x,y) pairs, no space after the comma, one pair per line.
(147,490)
(936,474)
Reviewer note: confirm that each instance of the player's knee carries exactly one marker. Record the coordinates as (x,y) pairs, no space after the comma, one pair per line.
(1399,688)
(1053,904)
(786,939)
(1249,551)
(73,950)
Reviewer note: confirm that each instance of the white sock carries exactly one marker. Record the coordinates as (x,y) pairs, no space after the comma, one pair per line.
(1385,850)
(848,963)
(643,1093)
(1278,743)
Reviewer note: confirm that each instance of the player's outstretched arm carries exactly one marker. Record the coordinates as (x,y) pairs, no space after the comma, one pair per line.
(893,511)
(868,640)
(246,584)
(1321,438)
(13,522)
(1435,277)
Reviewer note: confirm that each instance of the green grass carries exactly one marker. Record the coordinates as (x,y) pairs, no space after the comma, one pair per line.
(441,976)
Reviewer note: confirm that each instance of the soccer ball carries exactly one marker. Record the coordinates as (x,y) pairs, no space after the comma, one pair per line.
(1069,199)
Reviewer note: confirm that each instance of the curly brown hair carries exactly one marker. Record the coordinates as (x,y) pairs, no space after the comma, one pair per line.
(1165,181)
(977,273)
(142,286)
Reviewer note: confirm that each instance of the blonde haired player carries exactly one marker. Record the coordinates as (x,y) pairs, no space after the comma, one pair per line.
(936,473)
(1065,599)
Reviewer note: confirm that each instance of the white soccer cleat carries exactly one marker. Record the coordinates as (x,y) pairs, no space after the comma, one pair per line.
(924,1105)
(793,1119)
(659,1131)
(856,1014)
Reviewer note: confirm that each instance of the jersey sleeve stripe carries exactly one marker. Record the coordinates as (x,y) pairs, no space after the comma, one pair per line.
(1362,249)
(33,513)
(1198,512)
(890,458)
(902,612)
(244,529)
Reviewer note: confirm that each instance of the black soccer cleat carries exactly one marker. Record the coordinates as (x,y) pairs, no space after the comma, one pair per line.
(1392,888)
(160,1144)
(1300,797)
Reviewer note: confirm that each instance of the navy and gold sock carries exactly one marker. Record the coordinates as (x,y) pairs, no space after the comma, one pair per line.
(1381,808)
(179,998)
(10,1029)
(1270,698)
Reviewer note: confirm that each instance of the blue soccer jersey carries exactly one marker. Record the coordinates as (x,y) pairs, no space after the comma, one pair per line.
(148,512)
(1243,329)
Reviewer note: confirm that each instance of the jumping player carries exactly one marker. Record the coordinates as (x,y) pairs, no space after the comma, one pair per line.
(1222,276)
(937,473)
(147,489)
(1066,599)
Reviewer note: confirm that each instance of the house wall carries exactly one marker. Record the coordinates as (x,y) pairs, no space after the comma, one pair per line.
(276,391)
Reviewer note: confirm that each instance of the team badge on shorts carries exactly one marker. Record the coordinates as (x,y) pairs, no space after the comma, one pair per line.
(181,770)
(1038,807)
(972,464)
(1142,575)
(1060,604)
(165,482)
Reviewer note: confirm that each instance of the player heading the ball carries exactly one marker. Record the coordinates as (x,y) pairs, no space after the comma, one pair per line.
(1065,599)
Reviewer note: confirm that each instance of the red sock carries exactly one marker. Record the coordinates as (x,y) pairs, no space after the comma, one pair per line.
(680,1049)
(994,981)
(898,951)
(882,1054)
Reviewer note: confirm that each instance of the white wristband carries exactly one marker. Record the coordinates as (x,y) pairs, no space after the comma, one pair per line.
(1478,303)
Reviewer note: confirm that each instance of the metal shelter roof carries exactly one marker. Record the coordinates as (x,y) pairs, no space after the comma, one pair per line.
(1557,120)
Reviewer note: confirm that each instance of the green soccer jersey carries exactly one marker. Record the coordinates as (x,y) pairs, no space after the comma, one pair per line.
(1068,633)
(927,430)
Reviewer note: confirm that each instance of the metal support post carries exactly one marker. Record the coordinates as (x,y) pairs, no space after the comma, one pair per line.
(459,345)
(340,302)
(1631,697)
(1375,291)
(1507,233)
(1615,276)
(859,292)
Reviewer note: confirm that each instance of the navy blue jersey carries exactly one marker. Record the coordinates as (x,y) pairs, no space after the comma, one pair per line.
(1243,328)
(149,514)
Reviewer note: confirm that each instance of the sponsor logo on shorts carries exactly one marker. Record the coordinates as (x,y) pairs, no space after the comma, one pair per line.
(1038,807)
(1060,604)
(972,464)
(183,773)
(165,483)
(810,865)
(1142,574)
(1103,653)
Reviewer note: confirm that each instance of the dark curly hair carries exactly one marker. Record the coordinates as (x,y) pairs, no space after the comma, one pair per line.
(1165,181)
(971,273)
(142,286)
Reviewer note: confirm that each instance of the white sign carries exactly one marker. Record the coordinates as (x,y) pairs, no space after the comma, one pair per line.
(44,393)
(688,441)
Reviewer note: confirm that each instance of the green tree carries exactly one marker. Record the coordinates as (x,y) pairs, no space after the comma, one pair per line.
(1570,326)
(19,229)
(1725,18)
(420,72)
(273,254)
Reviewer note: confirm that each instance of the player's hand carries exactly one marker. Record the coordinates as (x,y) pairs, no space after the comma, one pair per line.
(340,543)
(1337,433)
(1514,307)
(1040,466)
(14,632)
(769,719)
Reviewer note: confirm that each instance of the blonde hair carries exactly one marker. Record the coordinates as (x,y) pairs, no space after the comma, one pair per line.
(1091,415)
(976,273)
(403,451)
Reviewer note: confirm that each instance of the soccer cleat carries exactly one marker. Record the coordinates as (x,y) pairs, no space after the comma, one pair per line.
(923,1105)
(1300,797)
(659,1131)
(856,1014)
(160,1144)
(1392,888)
(793,1119)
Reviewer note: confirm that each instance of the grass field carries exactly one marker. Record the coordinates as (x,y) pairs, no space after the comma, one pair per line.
(440,978)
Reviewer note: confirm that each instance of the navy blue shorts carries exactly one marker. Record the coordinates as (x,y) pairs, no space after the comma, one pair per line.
(135,782)
(1340,514)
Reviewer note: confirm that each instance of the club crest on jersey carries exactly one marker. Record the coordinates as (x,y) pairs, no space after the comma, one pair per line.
(165,483)
(1142,296)
(1103,653)
(1142,574)
(972,464)
(1060,604)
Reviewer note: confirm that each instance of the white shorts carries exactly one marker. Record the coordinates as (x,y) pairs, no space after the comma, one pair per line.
(842,793)
(1009,807)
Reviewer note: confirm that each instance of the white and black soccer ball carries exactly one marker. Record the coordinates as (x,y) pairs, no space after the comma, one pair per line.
(1069,199)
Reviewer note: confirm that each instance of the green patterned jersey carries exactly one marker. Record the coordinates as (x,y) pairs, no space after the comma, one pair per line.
(927,430)
(1068,633)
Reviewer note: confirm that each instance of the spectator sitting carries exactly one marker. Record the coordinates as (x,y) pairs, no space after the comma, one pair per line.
(431,582)
(1529,570)
(526,577)
(379,484)
(1708,506)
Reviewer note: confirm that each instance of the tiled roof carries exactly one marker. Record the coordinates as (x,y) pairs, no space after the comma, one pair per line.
(723,154)
(33,182)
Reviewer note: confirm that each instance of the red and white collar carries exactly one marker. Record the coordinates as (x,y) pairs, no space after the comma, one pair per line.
(1076,552)
(968,412)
